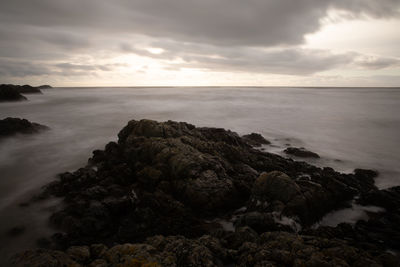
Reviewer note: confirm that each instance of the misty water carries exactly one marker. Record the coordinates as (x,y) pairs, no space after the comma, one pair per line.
(349,127)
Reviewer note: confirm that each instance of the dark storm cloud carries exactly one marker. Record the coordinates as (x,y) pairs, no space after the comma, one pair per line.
(228,33)
(228,22)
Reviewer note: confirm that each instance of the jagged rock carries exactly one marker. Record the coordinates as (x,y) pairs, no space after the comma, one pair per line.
(11,126)
(268,249)
(170,178)
(43,258)
(301,152)
(285,249)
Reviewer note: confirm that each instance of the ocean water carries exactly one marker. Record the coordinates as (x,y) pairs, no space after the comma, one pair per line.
(349,127)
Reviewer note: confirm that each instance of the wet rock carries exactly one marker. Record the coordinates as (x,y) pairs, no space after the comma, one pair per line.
(301,152)
(255,139)
(10,126)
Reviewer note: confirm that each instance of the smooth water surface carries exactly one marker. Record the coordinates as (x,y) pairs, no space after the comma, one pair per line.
(348,127)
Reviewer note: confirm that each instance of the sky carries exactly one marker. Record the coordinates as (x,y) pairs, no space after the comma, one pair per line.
(200,43)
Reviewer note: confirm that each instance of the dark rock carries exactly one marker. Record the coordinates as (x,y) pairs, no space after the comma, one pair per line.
(43,258)
(27,89)
(22,89)
(268,249)
(11,126)
(301,152)
(17,230)
(387,198)
(43,242)
(46,86)
(173,178)
(303,198)
(80,254)
(10,94)
(255,139)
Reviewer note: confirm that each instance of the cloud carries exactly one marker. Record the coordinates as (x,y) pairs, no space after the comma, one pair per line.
(291,61)
(222,22)
(9,68)
(221,35)
(374,62)
(12,68)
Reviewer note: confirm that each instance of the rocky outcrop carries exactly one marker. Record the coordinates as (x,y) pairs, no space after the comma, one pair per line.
(23,89)
(27,89)
(171,178)
(167,188)
(10,94)
(255,139)
(11,126)
(301,152)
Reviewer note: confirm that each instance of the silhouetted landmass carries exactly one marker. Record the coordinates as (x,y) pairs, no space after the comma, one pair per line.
(172,194)
(12,126)
(44,87)
(8,93)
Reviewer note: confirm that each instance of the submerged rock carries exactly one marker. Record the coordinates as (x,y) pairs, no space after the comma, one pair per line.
(301,152)
(11,126)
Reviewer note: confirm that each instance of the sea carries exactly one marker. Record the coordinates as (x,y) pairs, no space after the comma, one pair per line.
(348,127)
